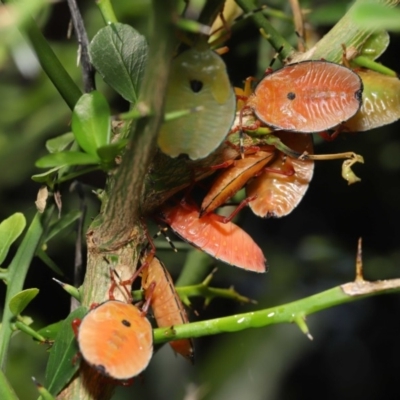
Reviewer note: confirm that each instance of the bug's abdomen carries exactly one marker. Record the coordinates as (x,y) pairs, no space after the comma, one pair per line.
(307,97)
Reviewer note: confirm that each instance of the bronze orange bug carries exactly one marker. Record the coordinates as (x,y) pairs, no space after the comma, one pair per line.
(307,97)
(275,183)
(115,338)
(233,179)
(215,235)
(167,308)
(277,193)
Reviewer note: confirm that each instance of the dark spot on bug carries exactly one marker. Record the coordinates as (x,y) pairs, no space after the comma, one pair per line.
(291,96)
(196,86)
(126,323)
(101,369)
(358,95)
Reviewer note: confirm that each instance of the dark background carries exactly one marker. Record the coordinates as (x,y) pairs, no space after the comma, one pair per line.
(355,352)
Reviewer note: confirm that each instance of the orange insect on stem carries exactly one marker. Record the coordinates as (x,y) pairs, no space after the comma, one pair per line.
(115,338)
(283,183)
(233,179)
(307,97)
(167,307)
(226,242)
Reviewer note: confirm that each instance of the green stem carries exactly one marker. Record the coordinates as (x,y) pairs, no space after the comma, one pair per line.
(29,331)
(195,269)
(201,290)
(107,11)
(52,66)
(289,313)
(16,277)
(276,40)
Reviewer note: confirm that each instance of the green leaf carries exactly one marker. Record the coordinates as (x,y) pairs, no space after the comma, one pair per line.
(10,229)
(119,54)
(46,177)
(51,331)
(66,158)
(375,45)
(91,122)
(108,153)
(61,224)
(60,143)
(377,16)
(48,261)
(6,390)
(60,367)
(19,302)
(17,271)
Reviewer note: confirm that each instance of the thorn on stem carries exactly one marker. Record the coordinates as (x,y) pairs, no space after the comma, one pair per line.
(359,263)
(72,290)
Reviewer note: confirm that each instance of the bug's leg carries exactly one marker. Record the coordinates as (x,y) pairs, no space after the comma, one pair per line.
(145,263)
(229,218)
(163,232)
(114,285)
(329,137)
(149,295)
(269,70)
(288,172)
(75,326)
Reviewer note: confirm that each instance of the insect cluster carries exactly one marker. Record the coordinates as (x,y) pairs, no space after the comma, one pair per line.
(267,132)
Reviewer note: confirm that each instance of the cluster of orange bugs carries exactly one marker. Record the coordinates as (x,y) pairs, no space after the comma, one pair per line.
(275,183)
(300,98)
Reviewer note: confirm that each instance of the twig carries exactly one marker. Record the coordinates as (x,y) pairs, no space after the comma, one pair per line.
(83,41)
(291,312)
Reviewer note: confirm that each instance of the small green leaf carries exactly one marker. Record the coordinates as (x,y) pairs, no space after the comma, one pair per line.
(23,325)
(66,158)
(108,153)
(10,229)
(50,332)
(119,54)
(61,224)
(60,367)
(21,300)
(375,45)
(60,143)
(91,122)
(46,177)
(48,261)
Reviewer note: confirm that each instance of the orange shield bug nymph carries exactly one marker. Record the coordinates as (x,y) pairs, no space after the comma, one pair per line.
(115,338)
(307,97)
(167,307)
(224,241)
